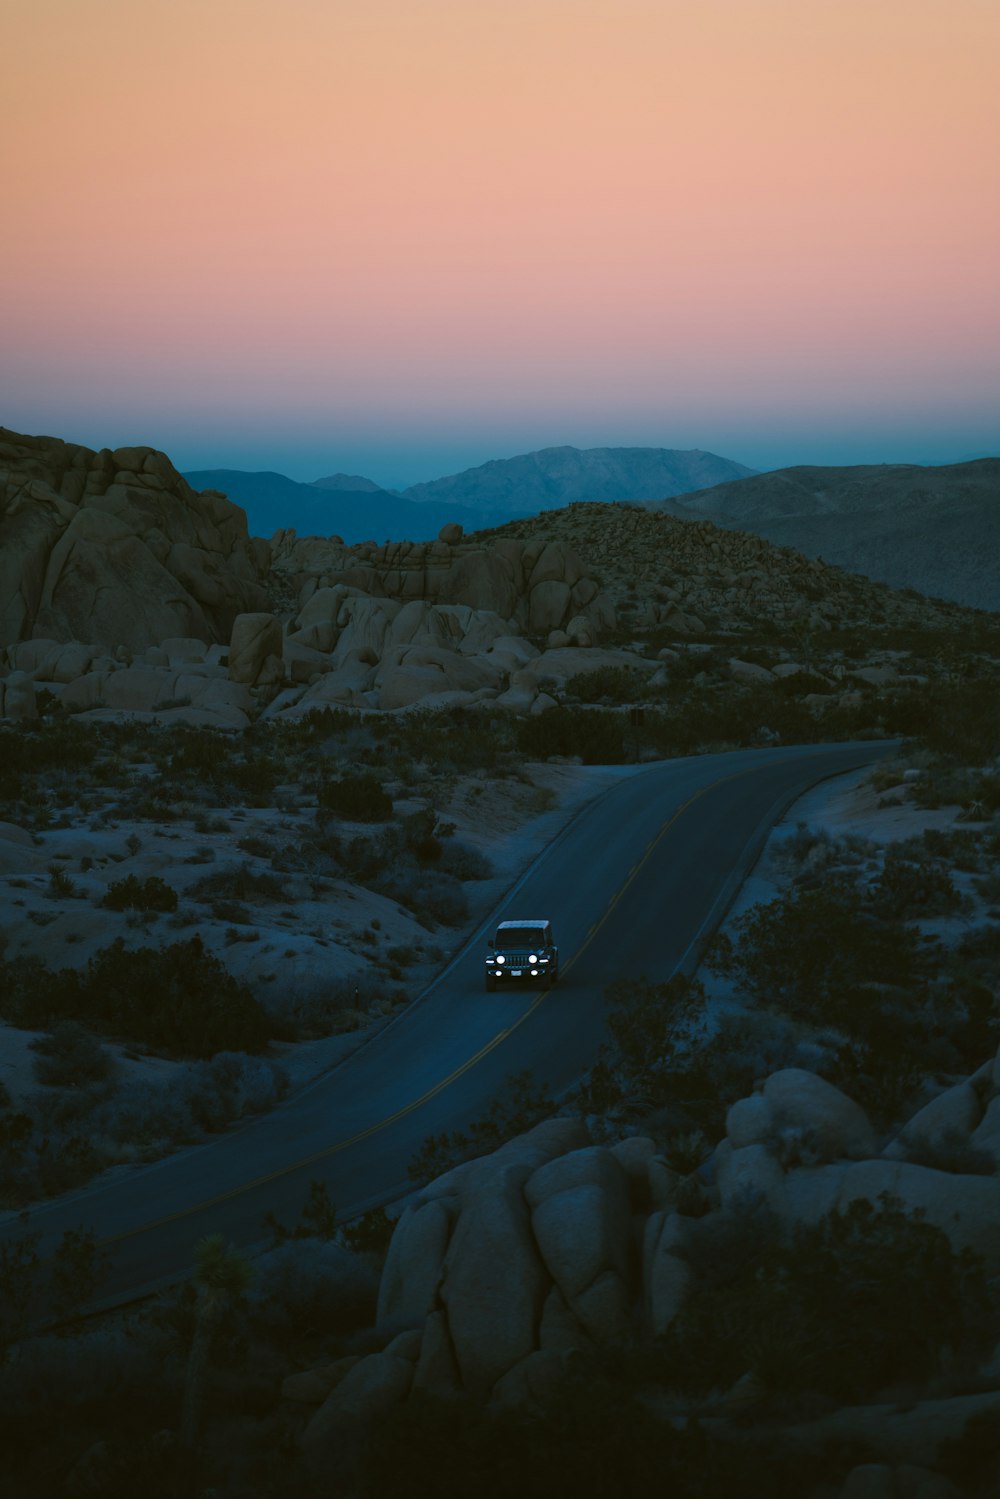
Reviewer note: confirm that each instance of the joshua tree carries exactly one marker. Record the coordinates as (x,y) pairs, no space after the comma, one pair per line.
(221,1275)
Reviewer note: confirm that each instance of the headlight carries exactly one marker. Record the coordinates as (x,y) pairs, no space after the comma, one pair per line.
(534,973)
(501,959)
(533,958)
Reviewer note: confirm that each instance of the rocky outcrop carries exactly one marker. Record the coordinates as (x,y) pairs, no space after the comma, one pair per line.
(508,1268)
(114,548)
(538,585)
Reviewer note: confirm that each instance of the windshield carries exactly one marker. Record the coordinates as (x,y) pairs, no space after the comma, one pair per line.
(522,936)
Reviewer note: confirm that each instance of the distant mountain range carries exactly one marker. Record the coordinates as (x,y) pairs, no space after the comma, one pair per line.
(274,502)
(553,477)
(504,489)
(933,529)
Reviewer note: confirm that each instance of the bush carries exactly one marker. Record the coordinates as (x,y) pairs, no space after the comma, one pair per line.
(238,883)
(312,1283)
(71,1057)
(178,1000)
(519,1106)
(133,894)
(356,798)
(866,1297)
(821,954)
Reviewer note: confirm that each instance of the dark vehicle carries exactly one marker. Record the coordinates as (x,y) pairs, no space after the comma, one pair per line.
(521,952)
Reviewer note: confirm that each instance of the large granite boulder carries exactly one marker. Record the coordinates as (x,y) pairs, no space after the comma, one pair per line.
(116,548)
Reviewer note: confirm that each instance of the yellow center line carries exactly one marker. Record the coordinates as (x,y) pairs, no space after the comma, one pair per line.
(417,1103)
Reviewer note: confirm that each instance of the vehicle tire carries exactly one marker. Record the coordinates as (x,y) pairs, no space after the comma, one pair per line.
(491,983)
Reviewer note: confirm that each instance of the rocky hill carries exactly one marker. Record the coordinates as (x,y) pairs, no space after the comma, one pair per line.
(933,529)
(655,569)
(116,549)
(124,592)
(551,477)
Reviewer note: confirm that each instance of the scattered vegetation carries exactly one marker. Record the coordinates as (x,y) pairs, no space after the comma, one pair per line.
(179,1000)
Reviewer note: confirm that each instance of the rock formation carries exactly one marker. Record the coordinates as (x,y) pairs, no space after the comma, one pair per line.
(508,1268)
(115,549)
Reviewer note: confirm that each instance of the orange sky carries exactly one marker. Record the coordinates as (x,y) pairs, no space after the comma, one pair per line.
(425,229)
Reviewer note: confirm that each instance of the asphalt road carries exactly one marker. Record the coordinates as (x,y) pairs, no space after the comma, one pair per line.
(633,885)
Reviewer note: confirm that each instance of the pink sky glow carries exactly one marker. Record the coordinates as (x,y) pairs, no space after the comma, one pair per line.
(408,235)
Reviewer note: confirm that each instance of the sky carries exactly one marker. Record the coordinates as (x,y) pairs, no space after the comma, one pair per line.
(400,237)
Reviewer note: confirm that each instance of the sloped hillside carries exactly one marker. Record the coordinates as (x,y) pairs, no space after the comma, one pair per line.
(116,549)
(933,529)
(656,569)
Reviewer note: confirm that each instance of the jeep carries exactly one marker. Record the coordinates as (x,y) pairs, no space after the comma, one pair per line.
(520,952)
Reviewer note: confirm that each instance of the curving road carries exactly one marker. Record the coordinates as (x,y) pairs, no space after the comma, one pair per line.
(634,884)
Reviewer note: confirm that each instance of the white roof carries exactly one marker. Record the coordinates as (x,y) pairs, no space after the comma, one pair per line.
(542,922)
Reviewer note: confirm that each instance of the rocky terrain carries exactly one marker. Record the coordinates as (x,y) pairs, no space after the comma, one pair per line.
(115,549)
(224,758)
(123,591)
(933,529)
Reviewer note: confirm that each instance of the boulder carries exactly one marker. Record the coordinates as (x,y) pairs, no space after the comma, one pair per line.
(800,1111)
(450,533)
(559,1330)
(666,1276)
(548,606)
(748,671)
(966,1208)
(368,1391)
(532,1380)
(255,643)
(99,551)
(956,1110)
(748,1174)
(986,1135)
(413,1267)
(494,1282)
(19,698)
(436,1372)
(869,1481)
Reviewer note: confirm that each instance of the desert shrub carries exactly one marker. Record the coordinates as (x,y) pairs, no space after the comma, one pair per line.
(457,740)
(868,1296)
(370,1234)
(599,736)
(355,798)
(179,1000)
(434,897)
(70,1057)
(519,1106)
(609,684)
(318,1220)
(909,887)
(822,954)
(313,1013)
(231,1085)
(312,1283)
(463,862)
(239,882)
(134,894)
(33,1288)
(590,1437)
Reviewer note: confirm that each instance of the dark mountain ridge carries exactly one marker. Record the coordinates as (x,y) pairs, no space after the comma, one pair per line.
(933,529)
(552,477)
